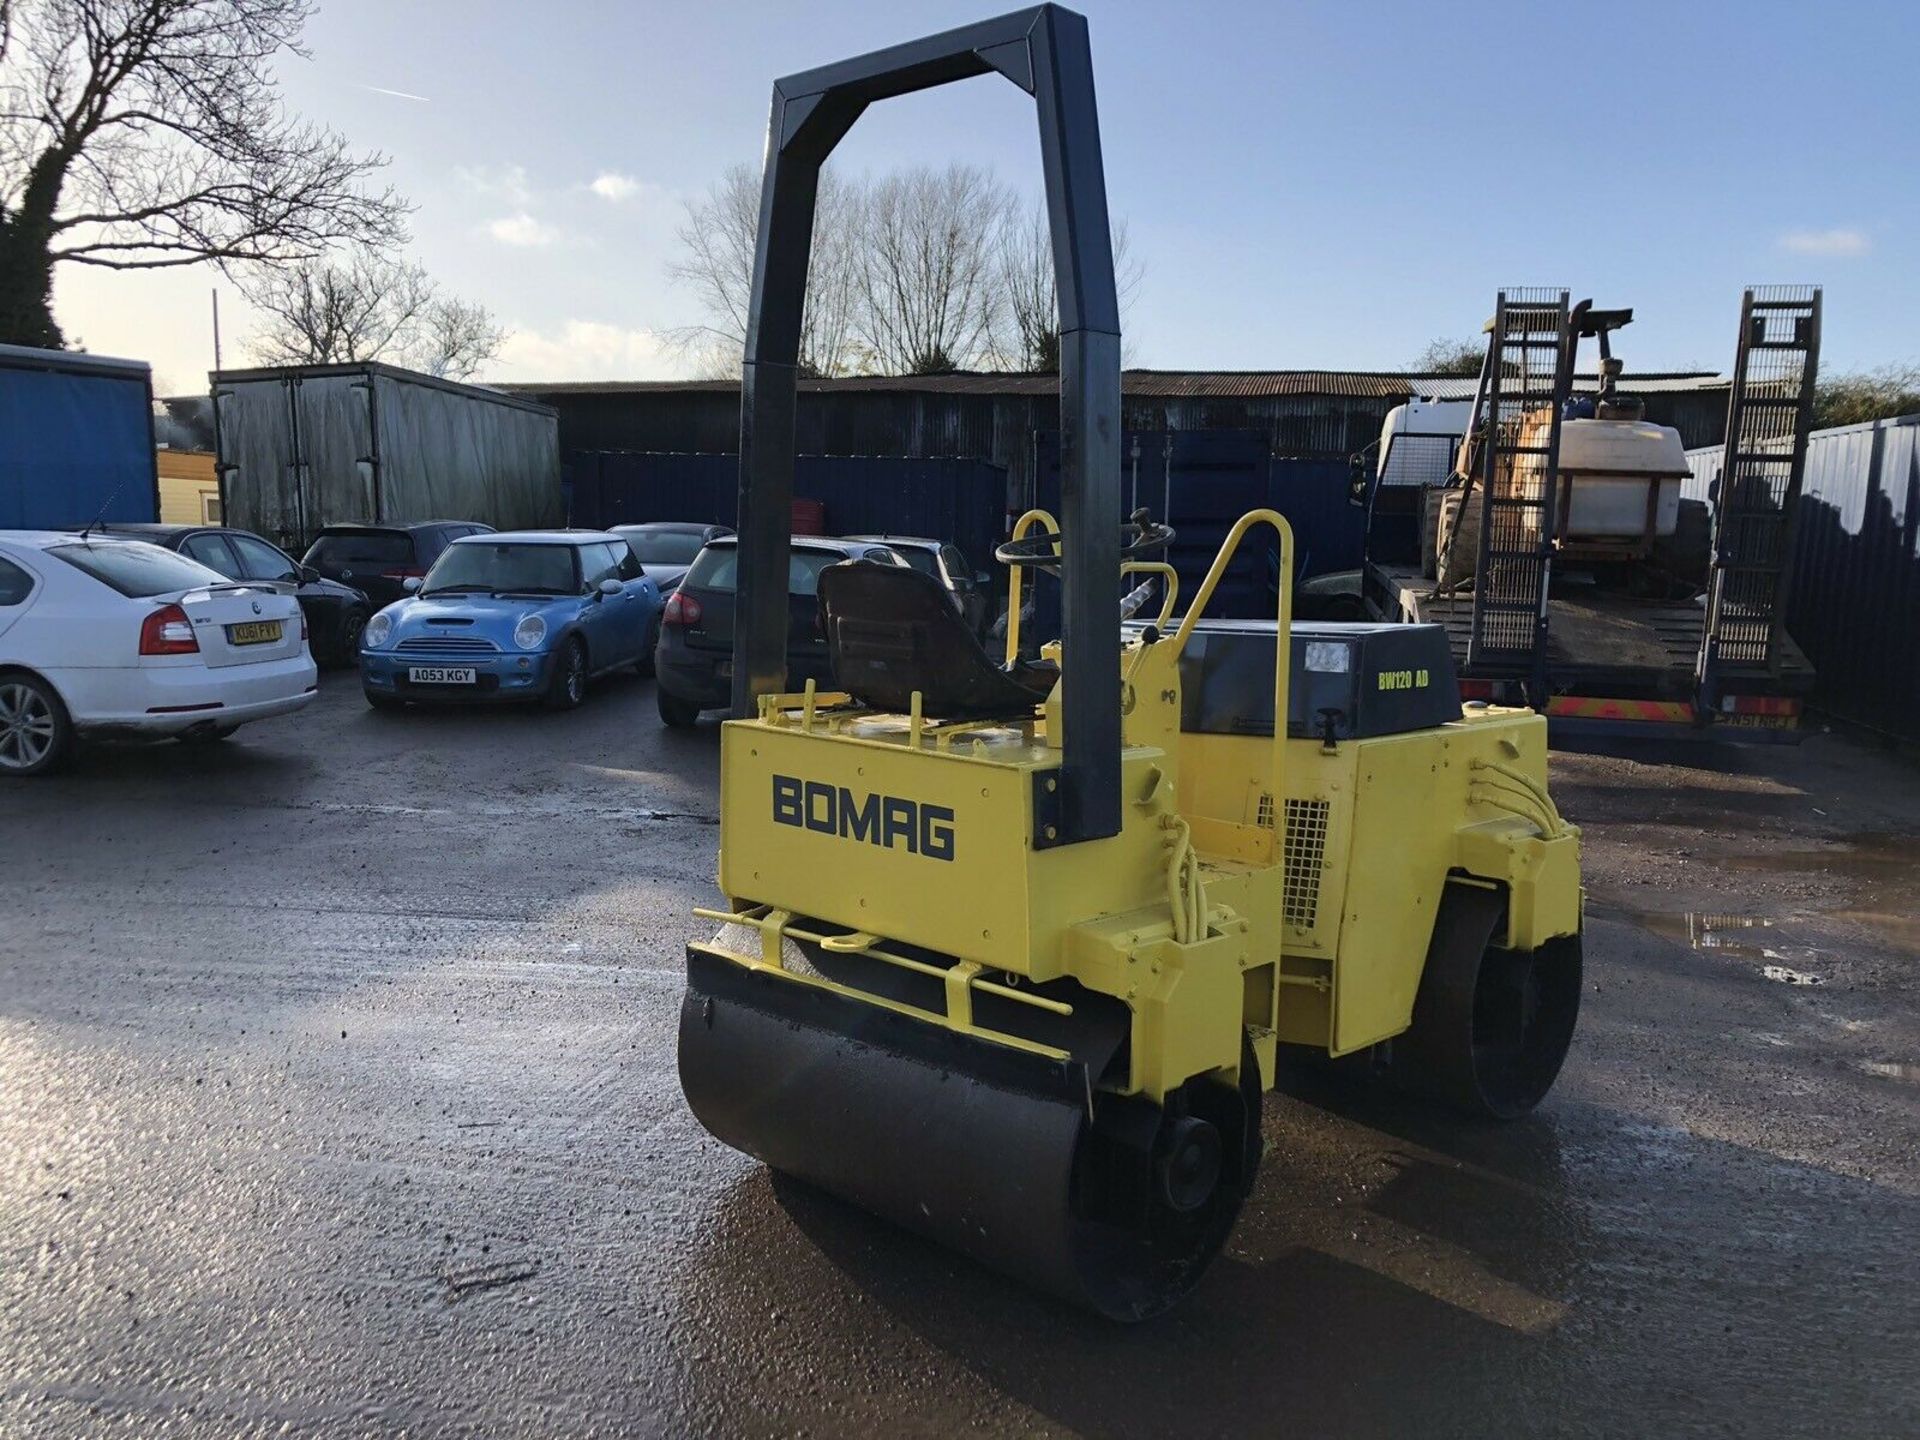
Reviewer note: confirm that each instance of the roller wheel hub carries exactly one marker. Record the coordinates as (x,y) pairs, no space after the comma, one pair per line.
(1187,1163)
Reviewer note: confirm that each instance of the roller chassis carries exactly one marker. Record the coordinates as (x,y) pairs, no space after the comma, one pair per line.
(900,934)
(1013,967)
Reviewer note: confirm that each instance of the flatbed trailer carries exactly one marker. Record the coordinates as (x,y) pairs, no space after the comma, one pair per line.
(1615,664)
(1569,621)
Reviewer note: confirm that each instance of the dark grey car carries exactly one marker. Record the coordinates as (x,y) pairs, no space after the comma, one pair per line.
(335,612)
(693,663)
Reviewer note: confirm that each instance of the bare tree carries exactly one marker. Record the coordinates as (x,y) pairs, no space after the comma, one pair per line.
(929,298)
(716,264)
(457,337)
(368,306)
(918,272)
(141,134)
(1450,357)
(1030,311)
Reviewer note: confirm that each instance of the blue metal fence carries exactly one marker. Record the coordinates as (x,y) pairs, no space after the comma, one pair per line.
(1202,481)
(959,501)
(1853,602)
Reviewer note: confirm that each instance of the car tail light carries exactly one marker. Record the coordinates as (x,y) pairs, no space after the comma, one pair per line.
(681,610)
(303,627)
(1476,690)
(167,631)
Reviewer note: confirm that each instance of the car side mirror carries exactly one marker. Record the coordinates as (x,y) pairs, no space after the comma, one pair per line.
(411,584)
(304,575)
(609,587)
(1357,480)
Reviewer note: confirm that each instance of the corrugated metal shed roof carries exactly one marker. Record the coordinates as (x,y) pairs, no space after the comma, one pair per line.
(1250,384)
(1462,387)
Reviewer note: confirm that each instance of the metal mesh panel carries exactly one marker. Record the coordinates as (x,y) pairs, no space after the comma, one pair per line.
(1305,850)
(1519,422)
(1768,414)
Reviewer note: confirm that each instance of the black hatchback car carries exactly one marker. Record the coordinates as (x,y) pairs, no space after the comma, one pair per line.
(380,559)
(335,612)
(693,663)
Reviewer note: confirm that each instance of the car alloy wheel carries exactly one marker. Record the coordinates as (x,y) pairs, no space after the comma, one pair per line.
(569,685)
(29,727)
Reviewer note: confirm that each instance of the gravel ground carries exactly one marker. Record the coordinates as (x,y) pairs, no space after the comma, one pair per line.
(339,1099)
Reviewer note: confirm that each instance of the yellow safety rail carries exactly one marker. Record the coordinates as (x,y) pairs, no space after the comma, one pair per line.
(1020,528)
(959,980)
(1283,639)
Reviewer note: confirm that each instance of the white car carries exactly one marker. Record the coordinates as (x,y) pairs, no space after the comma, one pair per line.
(118,639)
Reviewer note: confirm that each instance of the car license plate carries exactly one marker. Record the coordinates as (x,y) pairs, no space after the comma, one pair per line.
(1762,722)
(441,675)
(254,632)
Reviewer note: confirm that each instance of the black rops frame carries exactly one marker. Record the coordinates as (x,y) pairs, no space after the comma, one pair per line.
(1045,52)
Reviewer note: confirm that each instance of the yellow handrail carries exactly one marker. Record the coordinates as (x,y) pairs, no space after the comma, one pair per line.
(1020,527)
(1283,638)
(1168,574)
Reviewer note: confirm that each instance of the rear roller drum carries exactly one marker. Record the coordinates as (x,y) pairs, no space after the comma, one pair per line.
(1491,1026)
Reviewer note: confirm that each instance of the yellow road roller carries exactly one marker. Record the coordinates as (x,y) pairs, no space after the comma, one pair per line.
(1011,944)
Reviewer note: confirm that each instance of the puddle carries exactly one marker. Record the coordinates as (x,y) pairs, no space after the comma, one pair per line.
(1782,975)
(1738,935)
(1872,857)
(1892,1070)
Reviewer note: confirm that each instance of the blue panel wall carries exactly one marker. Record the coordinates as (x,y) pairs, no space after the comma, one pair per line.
(959,501)
(74,446)
(1202,481)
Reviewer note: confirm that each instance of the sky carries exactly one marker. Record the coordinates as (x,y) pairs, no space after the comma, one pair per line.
(1306,185)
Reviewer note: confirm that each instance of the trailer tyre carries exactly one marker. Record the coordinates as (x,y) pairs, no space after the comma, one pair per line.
(1491,1026)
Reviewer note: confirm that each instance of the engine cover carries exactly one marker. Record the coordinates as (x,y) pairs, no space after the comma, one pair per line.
(1365,679)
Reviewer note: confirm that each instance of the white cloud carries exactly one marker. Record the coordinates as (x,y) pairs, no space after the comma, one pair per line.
(523,230)
(496,182)
(587,350)
(1826,242)
(614,186)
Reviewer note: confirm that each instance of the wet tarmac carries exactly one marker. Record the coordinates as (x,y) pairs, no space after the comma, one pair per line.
(337,1097)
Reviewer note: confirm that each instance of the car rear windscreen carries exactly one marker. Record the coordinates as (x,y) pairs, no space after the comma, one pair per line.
(365,548)
(137,570)
(717,567)
(663,547)
(921,560)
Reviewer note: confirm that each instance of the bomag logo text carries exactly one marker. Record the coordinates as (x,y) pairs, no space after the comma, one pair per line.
(888,820)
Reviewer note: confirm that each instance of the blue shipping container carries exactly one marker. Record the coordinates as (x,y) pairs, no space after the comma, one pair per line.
(76,440)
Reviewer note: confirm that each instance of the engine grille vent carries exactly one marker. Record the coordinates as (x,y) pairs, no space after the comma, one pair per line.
(1305,851)
(1263,816)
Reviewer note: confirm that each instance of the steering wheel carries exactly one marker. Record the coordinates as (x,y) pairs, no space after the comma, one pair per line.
(1042,548)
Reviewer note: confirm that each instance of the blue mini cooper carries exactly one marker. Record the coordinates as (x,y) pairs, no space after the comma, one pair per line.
(522,615)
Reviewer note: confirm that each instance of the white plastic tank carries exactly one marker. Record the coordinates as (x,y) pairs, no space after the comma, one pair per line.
(1608,468)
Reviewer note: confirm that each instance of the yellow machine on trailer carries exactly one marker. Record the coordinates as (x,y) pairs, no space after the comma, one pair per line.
(1009,949)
